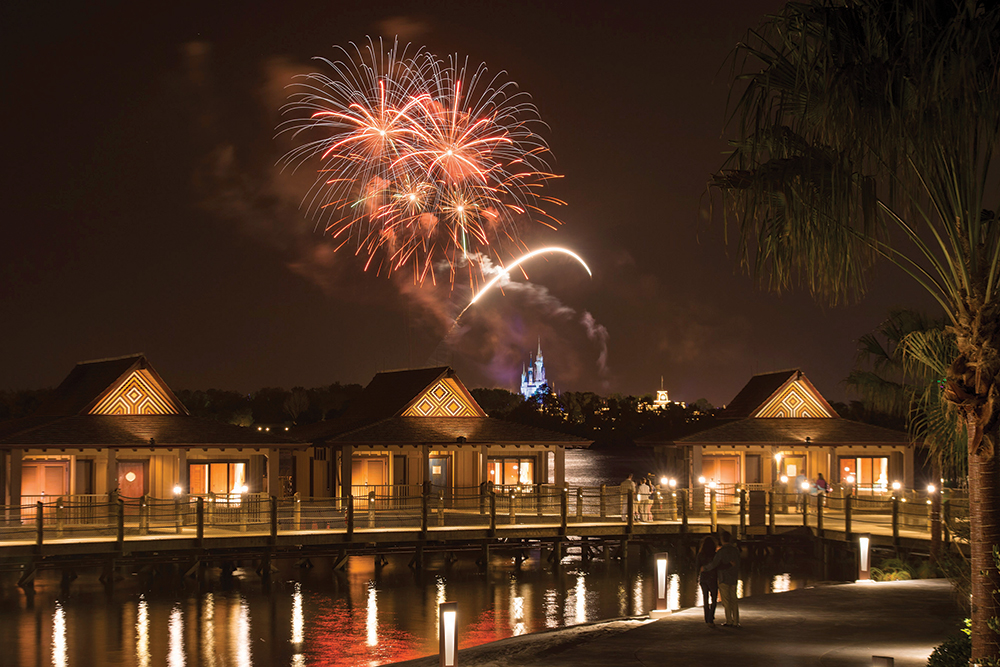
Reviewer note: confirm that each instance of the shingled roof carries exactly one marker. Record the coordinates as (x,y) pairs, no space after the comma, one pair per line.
(146,431)
(66,420)
(377,417)
(798,432)
(90,381)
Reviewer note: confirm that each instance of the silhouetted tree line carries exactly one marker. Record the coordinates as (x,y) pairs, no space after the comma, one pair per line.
(613,421)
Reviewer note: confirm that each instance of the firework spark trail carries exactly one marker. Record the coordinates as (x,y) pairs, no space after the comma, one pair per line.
(420,157)
(504,272)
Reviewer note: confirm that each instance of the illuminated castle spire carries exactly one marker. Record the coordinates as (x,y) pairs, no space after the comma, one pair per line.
(533,377)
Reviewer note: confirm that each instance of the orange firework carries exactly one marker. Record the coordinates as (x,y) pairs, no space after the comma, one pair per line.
(421,159)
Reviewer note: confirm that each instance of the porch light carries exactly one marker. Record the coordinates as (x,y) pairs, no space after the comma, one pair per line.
(178,490)
(664,481)
(864,557)
(661,587)
(701,480)
(931,488)
(447,633)
(712,484)
(777,457)
(850,479)
(244,488)
(672,483)
(805,486)
(784,479)
(896,486)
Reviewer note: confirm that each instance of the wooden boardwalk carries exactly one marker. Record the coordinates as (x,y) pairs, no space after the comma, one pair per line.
(195,532)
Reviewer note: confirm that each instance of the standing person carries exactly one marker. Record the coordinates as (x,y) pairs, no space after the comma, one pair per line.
(727,563)
(645,501)
(627,487)
(708,578)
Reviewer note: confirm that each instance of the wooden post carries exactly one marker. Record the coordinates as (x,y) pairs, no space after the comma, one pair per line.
(493,513)
(350,516)
(512,496)
(39,524)
(848,501)
(819,514)
(200,526)
(743,512)
(178,516)
(684,510)
(895,522)
(579,504)
(604,501)
(425,499)
(121,525)
(296,511)
(563,510)
(713,509)
(540,501)
(144,515)
(805,509)
(770,512)
(630,506)
(371,508)
(60,518)
(273,507)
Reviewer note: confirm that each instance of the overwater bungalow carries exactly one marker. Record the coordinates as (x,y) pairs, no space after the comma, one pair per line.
(780,426)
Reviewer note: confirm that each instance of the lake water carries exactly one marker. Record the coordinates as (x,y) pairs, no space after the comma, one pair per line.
(318,617)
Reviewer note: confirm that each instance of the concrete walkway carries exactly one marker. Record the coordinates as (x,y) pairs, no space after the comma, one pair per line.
(825,626)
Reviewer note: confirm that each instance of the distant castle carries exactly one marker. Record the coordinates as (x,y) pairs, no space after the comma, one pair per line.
(533,377)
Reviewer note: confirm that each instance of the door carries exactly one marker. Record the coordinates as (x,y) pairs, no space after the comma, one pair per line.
(131,479)
(44,478)
(440,474)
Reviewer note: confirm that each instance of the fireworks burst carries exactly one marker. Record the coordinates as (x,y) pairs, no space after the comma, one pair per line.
(422,159)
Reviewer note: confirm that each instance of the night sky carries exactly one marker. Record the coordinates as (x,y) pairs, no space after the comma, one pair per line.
(144,210)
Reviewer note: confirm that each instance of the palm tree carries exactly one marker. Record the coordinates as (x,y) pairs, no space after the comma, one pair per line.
(899,372)
(868,130)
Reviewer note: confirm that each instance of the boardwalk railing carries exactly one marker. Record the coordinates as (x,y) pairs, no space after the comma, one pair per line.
(427,507)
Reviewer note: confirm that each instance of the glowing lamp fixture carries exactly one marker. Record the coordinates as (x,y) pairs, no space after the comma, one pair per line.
(448,633)
(701,480)
(896,486)
(178,490)
(661,586)
(672,483)
(784,479)
(864,557)
(664,481)
(777,457)
(931,488)
(805,486)
(712,484)
(850,479)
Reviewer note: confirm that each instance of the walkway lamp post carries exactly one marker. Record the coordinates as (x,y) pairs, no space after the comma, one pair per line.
(448,633)
(864,557)
(661,587)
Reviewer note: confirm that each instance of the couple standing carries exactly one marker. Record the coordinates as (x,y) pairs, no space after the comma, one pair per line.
(719,574)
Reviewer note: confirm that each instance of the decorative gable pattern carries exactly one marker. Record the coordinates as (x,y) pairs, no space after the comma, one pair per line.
(139,394)
(445,398)
(795,401)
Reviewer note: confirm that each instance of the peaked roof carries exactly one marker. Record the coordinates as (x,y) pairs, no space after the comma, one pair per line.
(389,394)
(390,410)
(761,389)
(91,381)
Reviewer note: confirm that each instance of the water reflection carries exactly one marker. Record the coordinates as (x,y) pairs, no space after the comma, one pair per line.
(142,656)
(208,631)
(176,656)
(323,618)
(241,634)
(59,658)
(372,624)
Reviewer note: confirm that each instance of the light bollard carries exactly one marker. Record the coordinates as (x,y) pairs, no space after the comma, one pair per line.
(661,587)
(448,633)
(864,557)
